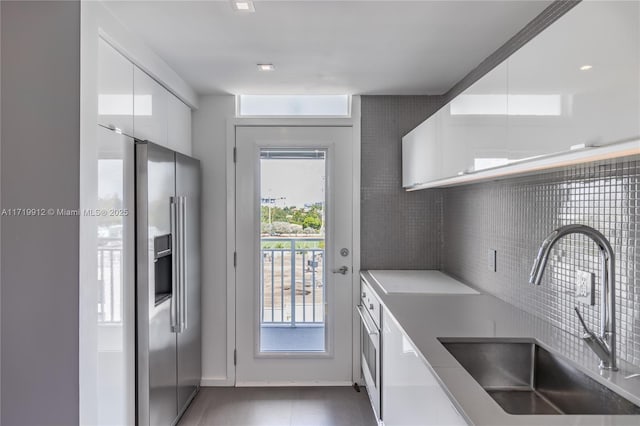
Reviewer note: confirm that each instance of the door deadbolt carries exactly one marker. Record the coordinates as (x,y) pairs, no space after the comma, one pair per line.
(344,252)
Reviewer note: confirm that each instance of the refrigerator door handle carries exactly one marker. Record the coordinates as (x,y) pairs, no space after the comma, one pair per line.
(183,266)
(179,257)
(175,273)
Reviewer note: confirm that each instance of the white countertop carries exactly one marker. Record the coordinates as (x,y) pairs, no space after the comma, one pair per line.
(425,318)
(427,282)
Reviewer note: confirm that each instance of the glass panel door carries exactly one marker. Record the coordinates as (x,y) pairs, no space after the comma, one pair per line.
(294,282)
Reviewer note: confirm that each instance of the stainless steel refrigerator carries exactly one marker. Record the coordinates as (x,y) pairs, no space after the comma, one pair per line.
(168,330)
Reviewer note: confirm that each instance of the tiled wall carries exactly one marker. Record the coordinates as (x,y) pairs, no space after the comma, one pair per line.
(513,216)
(399,230)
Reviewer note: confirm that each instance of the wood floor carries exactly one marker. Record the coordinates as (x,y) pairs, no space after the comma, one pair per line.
(307,406)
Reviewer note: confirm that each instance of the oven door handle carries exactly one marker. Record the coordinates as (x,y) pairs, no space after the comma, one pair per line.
(365,321)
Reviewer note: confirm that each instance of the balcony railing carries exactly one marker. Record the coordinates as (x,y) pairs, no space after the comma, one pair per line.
(109,280)
(292,278)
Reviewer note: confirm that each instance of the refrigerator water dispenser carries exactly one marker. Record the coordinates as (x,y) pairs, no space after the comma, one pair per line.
(162,260)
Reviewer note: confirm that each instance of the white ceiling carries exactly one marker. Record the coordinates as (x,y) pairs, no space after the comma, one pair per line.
(326,47)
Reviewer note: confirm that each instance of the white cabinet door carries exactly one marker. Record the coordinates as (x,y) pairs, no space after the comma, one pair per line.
(179,125)
(422,154)
(578,82)
(115,89)
(474,126)
(411,395)
(468,134)
(150,104)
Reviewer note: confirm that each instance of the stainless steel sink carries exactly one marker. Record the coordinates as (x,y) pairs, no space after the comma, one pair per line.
(524,378)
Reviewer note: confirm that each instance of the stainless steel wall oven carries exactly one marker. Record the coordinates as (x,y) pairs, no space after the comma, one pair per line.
(370,312)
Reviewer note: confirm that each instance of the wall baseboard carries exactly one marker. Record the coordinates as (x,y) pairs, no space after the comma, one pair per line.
(292,383)
(216,382)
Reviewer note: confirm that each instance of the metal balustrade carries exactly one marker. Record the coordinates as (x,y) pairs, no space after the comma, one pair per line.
(292,281)
(110,281)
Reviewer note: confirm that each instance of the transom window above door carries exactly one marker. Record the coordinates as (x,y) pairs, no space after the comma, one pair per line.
(293,106)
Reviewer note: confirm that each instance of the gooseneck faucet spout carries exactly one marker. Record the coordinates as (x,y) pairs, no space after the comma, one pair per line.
(605,344)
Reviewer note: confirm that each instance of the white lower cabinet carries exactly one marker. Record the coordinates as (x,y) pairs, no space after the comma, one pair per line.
(411,395)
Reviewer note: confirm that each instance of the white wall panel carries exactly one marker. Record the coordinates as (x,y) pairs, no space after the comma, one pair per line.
(209,146)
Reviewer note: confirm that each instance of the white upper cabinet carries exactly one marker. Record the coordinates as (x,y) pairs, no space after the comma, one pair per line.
(150,109)
(132,101)
(179,125)
(474,126)
(577,83)
(468,134)
(422,154)
(115,89)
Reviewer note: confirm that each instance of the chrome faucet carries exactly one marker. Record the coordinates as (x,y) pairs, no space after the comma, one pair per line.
(603,345)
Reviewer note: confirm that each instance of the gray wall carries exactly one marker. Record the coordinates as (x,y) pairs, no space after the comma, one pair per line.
(40,85)
(399,230)
(514,216)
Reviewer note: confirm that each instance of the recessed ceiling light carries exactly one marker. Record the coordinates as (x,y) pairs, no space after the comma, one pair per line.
(586,67)
(242,5)
(266,67)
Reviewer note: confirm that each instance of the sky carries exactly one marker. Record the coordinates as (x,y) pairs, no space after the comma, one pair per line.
(299,181)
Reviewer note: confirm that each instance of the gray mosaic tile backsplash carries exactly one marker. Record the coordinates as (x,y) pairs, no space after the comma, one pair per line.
(513,216)
(399,229)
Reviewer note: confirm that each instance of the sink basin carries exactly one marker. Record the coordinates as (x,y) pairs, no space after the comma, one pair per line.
(524,378)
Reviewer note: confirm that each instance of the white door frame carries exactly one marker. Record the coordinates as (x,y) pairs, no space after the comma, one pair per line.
(354,123)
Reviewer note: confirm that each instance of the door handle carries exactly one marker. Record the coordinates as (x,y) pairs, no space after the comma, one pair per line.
(183,264)
(174,266)
(342,270)
(370,330)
